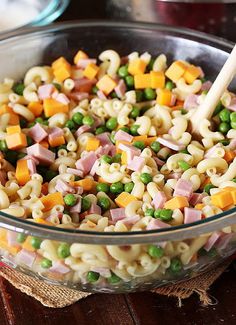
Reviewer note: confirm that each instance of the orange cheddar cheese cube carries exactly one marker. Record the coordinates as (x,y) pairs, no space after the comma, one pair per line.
(27,244)
(164,97)
(59,63)
(222,199)
(124,158)
(117,145)
(142,81)
(229,155)
(124,199)
(62,73)
(43,222)
(177,202)
(157,79)
(52,106)
(13,129)
(80,55)
(150,140)
(55,142)
(16,141)
(106,84)
(90,71)
(199,206)
(50,200)
(191,74)
(232,191)
(22,172)
(101,180)
(176,70)
(137,66)
(14,118)
(140,138)
(44,143)
(92,144)
(36,108)
(86,183)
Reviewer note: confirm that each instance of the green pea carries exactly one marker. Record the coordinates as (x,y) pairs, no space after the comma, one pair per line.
(39,120)
(135,112)
(169,85)
(30,125)
(224,127)
(21,238)
(125,129)
(218,108)
(92,276)
(94,90)
(129,80)
(70,124)
(123,71)
(155,251)
(145,178)
(3,146)
(21,155)
(183,165)
(107,159)
(203,79)
(23,123)
(155,146)
(117,158)
(233,125)
(18,89)
(45,122)
(233,117)
(78,118)
(46,263)
(208,187)
(111,124)
(35,242)
(88,120)
(224,142)
(139,95)
(150,64)
(85,204)
(63,250)
(234,180)
(128,187)
(134,129)
(113,279)
(116,188)
(70,200)
(212,252)
(104,203)
(102,187)
(139,144)
(224,115)
(183,111)
(166,214)
(57,86)
(101,130)
(157,213)
(29,141)
(184,151)
(149,212)
(149,94)
(175,265)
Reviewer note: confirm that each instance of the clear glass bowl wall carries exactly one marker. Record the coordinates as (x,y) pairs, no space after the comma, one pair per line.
(119,260)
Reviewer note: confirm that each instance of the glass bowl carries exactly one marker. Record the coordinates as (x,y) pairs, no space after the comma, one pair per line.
(24,13)
(114,261)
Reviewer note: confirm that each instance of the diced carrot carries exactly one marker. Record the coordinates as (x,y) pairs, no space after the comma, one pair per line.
(222,199)
(164,97)
(117,144)
(44,143)
(55,142)
(16,141)
(137,66)
(106,84)
(52,106)
(44,188)
(150,140)
(87,184)
(176,70)
(124,199)
(22,172)
(62,73)
(92,144)
(50,200)
(140,138)
(90,71)
(157,79)
(36,108)
(142,81)
(80,55)
(229,155)
(232,190)
(177,202)
(13,129)
(60,62)
(27,244)
(124,160)
(191,74)
(199,206)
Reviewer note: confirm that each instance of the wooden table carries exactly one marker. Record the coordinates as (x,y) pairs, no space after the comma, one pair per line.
(145,308)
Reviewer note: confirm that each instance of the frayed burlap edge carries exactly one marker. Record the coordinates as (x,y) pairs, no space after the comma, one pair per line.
(58,297)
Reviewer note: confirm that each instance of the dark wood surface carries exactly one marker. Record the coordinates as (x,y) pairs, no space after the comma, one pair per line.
(145,308)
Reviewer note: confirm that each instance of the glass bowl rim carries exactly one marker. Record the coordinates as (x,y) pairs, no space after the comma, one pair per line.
(180,232)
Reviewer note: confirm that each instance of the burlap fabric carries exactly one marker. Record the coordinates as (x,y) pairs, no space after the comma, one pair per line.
(58,296)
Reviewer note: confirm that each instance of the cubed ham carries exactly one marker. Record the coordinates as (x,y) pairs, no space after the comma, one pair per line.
(77,207)
(26,257)
(82,129)
(183,188)
(224,240)
(206,85)
(157,224)
(86,163)
(74,171)
(174,175)
(59,267)
(82,63)
(212,240)
(31,166)
(173,99)
(191,102)
(83,82)
(136,164)
(131,220)
(94,169)
(55,132)
(129,148)
(158,161)
(12,238)
(123,136)
(102,150)
(60,97)
(104,138)
(37,133)
(192,215)
(197,198)
(159,200)
(78,95)
(95,209)
(64,187)
(117,214)
(35,160)
(101,95)
(42,154)
(172,144)
(120,89)
(45,91)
